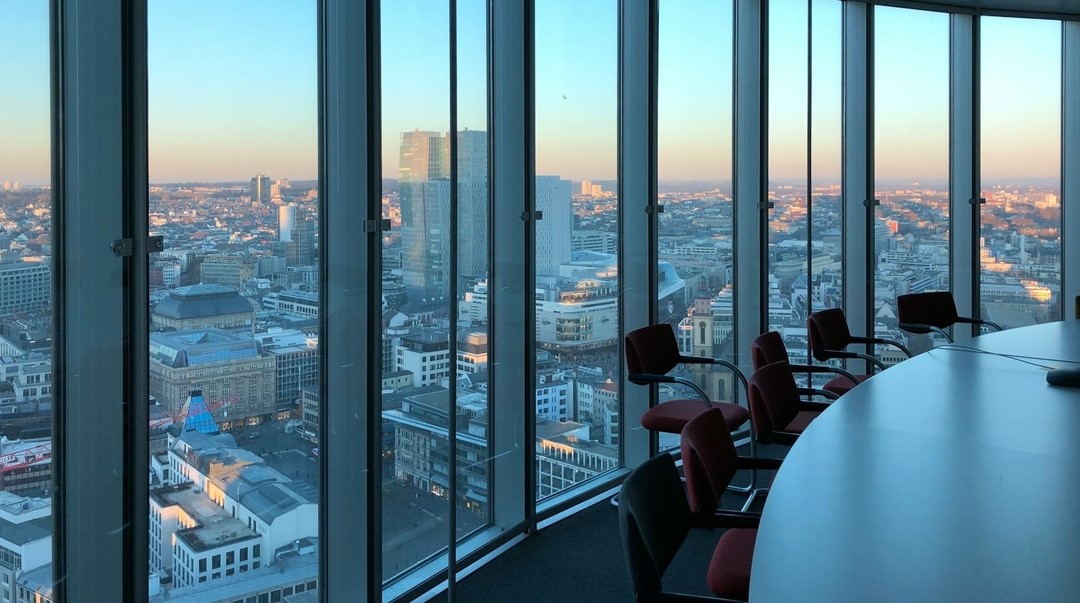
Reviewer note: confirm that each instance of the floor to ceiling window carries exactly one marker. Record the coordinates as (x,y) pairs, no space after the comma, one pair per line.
(473,364)
(694,185)
(26,308)
(826,231)
(417,287)
(1020,160)
(910,233)
(234,297)
(805,237)
(577,283)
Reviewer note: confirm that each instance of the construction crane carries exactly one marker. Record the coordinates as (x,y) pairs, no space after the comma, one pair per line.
(210,407)
(25,457)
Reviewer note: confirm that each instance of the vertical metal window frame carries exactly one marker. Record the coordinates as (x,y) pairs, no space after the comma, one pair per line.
(750,169)
(350,188)
(512,273)
(638,219)
(964,165)
(857,165)
(100,432)
(1070,165)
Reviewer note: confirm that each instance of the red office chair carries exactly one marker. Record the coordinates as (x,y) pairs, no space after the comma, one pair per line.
(932,312)
(651,353)
(829,336)
(654,520)
(768,348)
(779,415)
(710,461)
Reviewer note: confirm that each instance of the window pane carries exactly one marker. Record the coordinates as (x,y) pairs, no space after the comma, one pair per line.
(472,362)
(577,336)
(826,201)
(26,310)
(789,239)
(234,297)
(1021,171)
(694,164)
(805,236)
(416,283)
(911,158)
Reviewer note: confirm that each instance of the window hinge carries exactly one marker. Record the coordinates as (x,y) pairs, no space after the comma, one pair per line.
(122,248)
(155,244)
(766,205)
(380,225)
(977,201)
(531,215)
(654,209)
(872,202)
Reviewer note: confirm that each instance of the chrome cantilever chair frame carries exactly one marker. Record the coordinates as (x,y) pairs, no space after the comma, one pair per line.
(929,302)
(750,488)
(829,353)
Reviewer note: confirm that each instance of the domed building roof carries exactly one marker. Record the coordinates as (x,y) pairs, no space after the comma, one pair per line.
(197,301)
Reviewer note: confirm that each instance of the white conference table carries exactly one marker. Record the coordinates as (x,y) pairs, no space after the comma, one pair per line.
(953,476)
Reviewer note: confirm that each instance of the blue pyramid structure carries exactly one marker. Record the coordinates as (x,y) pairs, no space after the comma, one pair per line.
(194,416)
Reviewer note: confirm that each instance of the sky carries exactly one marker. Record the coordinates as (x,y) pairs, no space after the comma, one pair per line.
(233,89)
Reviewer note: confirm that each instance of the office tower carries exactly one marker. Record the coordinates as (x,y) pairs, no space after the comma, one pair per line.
(472,202)
(424,195)
(586,187)
(260,189)
(300,250)
(553,232)
(286,222)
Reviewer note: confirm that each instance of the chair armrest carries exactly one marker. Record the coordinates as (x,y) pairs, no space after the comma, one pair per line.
(824,368)
(810,391)
(979,321)
(882,341)
(668,597)
(647,378)
(756,462)
(807,405)
(918,328)
(724,519)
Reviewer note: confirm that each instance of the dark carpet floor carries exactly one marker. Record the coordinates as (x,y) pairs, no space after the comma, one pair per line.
(580,559)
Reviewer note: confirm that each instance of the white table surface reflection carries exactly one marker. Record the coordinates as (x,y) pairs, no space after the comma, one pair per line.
(952,476)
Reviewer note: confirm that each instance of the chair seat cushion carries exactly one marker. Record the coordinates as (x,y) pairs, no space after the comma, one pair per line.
(673,415)
(842,385)
(729,569)
(801,421)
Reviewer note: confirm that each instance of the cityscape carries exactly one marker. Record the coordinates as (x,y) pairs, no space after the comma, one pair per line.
(234,344)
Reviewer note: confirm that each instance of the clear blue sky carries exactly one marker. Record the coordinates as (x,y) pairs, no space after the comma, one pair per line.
(233,89)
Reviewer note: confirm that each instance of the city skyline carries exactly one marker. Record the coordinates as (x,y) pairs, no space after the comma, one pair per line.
(261,114)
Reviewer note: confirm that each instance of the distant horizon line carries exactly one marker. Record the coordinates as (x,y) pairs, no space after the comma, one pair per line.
(1031,181)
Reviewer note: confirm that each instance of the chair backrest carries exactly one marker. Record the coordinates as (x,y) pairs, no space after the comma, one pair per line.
(828,330)
(654,519)
(774,399)
(767,348)
(652,349)
(709,459)
(934,308)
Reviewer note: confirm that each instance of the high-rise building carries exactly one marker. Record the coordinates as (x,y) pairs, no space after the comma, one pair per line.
(472,202)
(286,222)
(300,250)
(424,193)
(260,189)
(553,231)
